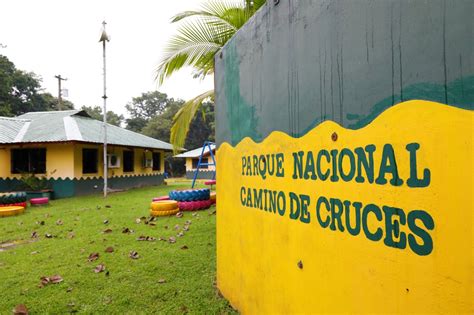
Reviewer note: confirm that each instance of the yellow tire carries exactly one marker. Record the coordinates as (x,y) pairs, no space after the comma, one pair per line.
(164,205)
(213,196)
(163,213)
(9,211)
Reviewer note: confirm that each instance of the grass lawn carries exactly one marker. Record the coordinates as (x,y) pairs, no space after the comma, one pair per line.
(127,285)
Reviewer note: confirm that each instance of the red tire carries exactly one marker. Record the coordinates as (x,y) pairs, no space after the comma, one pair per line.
(194,205)
(39,201)
(210,182)
(161,198)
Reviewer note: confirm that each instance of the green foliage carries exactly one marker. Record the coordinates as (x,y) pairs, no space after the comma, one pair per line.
(21,92)
(200,35)
(131,285)
(34,182)
(142,108)
(96,113)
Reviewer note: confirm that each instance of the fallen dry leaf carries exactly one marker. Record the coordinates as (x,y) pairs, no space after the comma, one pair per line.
(108,206)
(20,309)
(166,227)
(69,290)
(99,268)
(184,247)
(186,228)
(106,221)
(176,227)
(56,279)
(213,212)
(180,234)
(133,255)
(179,214)
(107,231)
(138,220)
(71,235)
(194,214)
(59,222)
(47,280)
(188,222)
(93,257)
(161,281)
(127,231)
(34,234)
(35,252)
(152,224)
(109,249)
(146,238)
(172,239)
(48,235)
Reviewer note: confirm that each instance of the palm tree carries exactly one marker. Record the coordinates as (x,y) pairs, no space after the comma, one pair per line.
(201,34)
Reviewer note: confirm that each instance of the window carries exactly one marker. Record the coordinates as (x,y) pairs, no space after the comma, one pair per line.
(156,161)
(28,161)
(89,161)
(128,161)
(196,161)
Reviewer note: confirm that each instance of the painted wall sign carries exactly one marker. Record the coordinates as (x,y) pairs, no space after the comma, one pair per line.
(378,219)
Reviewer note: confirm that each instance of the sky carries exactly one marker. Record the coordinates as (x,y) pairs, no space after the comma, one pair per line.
(54,37)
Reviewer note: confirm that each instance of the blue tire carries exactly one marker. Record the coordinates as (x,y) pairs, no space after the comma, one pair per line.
(190,194)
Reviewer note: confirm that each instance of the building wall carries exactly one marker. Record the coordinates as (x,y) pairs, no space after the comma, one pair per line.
(305,78)
(299,63)
(59,160)
(189,164)
(138,160)
(64,169)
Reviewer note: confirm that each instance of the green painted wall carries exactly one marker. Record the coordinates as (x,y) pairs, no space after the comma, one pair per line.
(299,63)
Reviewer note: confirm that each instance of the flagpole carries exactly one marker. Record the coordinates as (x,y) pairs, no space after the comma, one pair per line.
(104,38)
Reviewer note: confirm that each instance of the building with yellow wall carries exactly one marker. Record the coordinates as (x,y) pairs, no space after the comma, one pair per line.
(192,160)
(66,148)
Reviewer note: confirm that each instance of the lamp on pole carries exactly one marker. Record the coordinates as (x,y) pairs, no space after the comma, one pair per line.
(104,38)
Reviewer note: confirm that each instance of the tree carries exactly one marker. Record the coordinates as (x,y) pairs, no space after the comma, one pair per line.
(202,128)
(199,37)
(21,92)
(142,108)
(96,113)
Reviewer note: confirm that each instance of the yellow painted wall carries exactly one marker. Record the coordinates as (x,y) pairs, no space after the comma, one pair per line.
(59,159)
(289,261)
(189,163)
(64,160)
(138,158)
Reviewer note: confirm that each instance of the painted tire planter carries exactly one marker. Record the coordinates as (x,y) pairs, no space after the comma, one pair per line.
(161,198)
(18,204)
(213,197)
(164,205)
(163,213)
(210,182)
(10,211)
(194,205)
(12,198)
(190,194)
(39,201)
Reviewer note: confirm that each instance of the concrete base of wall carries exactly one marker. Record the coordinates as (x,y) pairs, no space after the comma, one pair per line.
(64,188)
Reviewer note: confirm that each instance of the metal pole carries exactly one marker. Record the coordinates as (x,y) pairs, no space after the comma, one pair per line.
(103,39)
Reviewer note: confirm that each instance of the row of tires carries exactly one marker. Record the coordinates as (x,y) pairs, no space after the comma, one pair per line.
(12,198)
(165,205)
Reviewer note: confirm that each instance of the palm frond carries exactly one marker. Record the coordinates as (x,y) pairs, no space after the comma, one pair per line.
(183,118)
(195,45)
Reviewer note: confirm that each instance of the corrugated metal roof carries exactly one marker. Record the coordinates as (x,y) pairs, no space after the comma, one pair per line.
(10,128)
(196,152)
(70,125)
